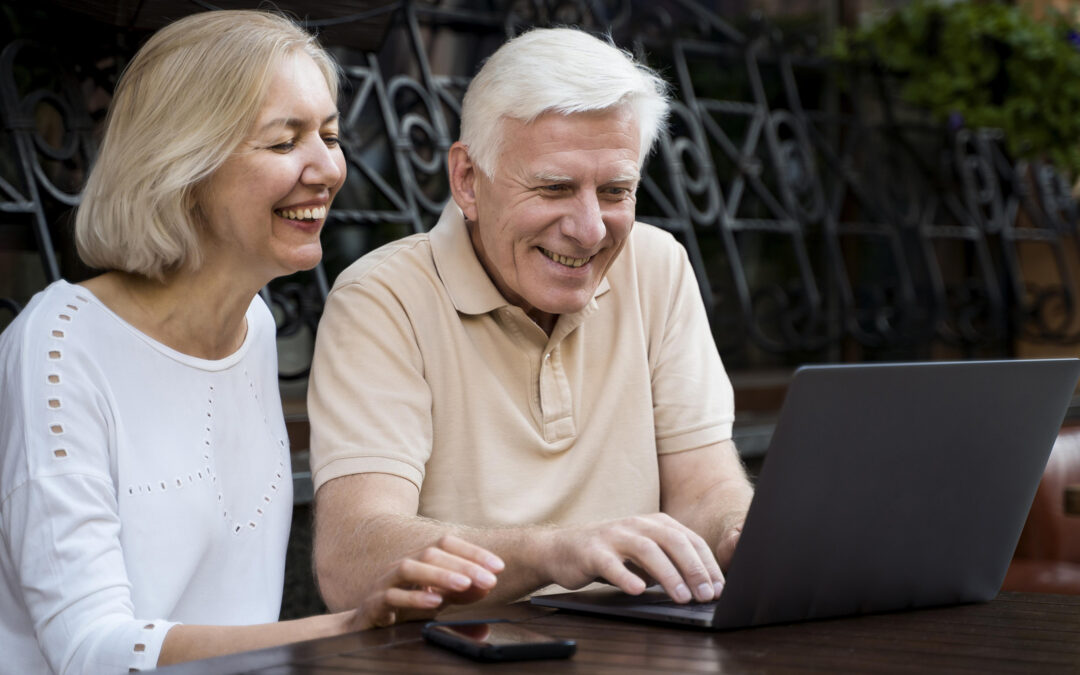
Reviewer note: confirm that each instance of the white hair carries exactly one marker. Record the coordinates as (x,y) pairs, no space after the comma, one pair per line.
(560,70)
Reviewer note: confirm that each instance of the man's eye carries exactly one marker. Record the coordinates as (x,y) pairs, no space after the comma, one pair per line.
(618,192)
(555,189)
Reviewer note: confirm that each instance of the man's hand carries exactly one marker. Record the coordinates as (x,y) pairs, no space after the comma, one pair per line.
(657,545)
(451,571)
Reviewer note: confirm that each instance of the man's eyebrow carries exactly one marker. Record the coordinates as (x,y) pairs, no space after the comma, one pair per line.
(546,177)
(551,177)
(296,122)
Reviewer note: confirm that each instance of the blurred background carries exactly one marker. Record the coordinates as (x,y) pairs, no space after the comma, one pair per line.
(854,180)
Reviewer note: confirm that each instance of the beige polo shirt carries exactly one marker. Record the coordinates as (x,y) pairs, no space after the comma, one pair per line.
(423,370)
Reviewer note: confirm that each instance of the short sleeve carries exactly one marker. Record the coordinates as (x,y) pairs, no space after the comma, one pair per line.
(693,401)
(62,558)
(368,400)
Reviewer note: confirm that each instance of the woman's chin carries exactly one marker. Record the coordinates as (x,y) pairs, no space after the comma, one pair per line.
(302,259)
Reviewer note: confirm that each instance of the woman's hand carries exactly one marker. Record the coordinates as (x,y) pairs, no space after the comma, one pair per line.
(450,571)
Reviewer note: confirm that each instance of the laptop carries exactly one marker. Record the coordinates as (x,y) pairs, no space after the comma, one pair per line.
(885,487)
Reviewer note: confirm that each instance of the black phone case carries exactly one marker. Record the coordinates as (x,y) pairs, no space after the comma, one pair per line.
(555,649)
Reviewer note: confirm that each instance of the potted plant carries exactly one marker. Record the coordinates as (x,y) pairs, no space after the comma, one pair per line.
(982,64)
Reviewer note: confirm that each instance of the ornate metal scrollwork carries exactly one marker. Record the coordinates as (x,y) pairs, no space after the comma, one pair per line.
(46,141)
(819,227)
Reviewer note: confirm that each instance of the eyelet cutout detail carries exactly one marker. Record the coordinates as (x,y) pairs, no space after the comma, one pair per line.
(54,379)
(58,333)
(65,317)
(232,514)
(57,429)
(140,647)
(60,453)
(54,354)
(54,403)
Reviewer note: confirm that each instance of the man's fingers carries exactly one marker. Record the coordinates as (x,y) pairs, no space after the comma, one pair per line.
(714,581)
(693,573)
(615,573)
(632,552)
(676,557)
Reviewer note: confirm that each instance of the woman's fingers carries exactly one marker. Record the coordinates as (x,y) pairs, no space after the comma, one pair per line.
(469,551)
(451,566)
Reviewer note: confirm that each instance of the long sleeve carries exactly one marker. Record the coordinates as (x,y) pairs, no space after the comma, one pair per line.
(59,516)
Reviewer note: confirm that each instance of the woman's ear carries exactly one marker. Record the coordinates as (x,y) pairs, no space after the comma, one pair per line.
(462,173)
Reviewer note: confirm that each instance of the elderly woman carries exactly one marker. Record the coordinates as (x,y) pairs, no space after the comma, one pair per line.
(145,494)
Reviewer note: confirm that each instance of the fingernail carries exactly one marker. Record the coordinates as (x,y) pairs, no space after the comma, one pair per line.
(495,563)
(485,579)
(682,593)
(719,585)
(431,600)
(705,592)
(460,581)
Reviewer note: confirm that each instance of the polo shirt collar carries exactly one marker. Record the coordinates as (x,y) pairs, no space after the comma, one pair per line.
(470,288)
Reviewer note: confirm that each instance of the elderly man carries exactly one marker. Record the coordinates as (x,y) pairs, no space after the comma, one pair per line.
(536,375)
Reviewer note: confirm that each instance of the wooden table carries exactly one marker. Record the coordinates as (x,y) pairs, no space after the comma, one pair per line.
(1017,632)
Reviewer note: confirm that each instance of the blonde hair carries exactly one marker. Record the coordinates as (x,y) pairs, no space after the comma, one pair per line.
(183,104)
(561,70)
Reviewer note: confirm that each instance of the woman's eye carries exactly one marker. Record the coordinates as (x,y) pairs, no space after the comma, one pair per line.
(331,141)
(283,147)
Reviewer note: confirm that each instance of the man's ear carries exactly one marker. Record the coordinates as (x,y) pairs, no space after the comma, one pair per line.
(463,175)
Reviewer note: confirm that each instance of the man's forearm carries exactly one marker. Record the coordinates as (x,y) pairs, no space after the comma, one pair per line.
(349,552)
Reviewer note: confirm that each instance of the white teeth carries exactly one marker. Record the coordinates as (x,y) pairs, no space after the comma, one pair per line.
(565,260)
(317,213)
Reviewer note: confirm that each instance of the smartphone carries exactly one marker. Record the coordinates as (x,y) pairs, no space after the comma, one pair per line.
(496,640)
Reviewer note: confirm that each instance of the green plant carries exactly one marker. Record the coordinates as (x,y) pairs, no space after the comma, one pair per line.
(983,64)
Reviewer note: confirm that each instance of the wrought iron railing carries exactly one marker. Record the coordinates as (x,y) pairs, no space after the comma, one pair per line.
(822,223)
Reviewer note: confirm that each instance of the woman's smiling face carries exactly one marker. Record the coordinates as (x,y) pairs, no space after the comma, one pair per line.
(265,206)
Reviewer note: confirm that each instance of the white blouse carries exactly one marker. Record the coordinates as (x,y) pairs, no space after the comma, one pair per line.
(139,487)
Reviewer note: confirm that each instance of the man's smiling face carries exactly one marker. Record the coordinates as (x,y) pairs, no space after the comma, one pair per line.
(554,216)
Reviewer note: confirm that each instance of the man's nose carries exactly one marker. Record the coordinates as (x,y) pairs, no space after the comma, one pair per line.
(586,224)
